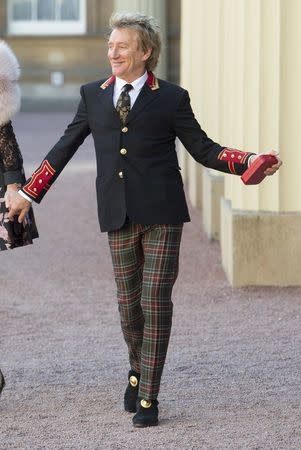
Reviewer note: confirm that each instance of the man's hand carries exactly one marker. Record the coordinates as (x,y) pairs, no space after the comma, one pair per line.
(18,206)
(11,189)
(275,167)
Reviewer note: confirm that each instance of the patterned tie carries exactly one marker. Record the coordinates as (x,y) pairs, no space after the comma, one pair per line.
(123,106)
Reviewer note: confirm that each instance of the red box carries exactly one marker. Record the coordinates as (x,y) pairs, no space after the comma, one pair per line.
(255,173)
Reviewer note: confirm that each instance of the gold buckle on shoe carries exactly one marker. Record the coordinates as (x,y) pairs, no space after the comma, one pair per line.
(133,381)
(145,403)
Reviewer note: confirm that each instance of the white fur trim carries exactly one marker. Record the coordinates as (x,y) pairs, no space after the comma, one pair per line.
(9,90)
(9,66)
(9,101)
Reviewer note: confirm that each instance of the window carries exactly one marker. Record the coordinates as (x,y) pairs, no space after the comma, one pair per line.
(46,17)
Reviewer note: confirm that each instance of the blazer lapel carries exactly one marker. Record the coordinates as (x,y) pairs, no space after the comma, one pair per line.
(105,97)
(145,97)
(148,93)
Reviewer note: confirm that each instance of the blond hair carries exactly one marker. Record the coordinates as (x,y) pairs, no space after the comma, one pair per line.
(148,33)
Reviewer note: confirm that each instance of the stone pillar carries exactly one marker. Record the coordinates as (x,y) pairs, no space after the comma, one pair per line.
(242,66)
(261,240)
(156,9)
(213,191)
(200,55)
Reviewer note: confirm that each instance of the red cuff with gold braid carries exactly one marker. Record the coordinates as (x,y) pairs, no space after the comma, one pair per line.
(39,180)
(233,156)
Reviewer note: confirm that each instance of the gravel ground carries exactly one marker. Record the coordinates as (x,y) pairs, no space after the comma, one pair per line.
(232,376)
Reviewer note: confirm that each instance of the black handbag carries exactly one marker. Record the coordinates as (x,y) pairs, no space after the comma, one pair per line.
(20,234)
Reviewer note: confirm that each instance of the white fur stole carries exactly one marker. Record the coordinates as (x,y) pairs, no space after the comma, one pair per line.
(9,89)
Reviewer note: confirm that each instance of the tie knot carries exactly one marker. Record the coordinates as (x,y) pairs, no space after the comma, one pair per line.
(127,87)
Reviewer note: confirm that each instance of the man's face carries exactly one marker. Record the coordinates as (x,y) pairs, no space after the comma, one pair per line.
(125,55)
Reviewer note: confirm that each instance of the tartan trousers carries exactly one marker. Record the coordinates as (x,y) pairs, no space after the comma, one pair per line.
(146,261)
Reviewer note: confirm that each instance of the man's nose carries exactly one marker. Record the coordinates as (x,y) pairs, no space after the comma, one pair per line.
(114,53)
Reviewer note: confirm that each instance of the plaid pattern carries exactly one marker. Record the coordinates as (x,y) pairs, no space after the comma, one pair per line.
(145,260)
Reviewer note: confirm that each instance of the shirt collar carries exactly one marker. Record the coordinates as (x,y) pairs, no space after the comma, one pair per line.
(137,84)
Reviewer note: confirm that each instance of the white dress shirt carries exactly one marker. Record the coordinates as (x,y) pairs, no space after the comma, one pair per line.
(119,84)
(133,93)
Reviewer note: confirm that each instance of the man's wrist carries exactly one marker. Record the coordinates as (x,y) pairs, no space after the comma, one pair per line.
(251,159)
(25,196)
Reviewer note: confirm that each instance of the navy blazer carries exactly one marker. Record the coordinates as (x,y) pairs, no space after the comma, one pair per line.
(138,173)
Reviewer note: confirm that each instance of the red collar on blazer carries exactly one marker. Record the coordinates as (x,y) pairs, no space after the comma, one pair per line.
(151,81)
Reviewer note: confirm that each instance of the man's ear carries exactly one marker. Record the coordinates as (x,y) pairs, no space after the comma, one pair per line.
(147,54)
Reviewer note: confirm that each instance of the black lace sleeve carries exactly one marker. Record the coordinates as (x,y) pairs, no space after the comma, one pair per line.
(10,155)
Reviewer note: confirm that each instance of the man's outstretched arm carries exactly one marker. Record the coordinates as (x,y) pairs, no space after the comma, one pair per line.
(208,152)
(42,179)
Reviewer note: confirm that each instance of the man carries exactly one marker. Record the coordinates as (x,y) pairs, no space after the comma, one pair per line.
(134,119)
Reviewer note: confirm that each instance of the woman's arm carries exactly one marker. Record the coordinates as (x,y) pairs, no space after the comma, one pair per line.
(11,162)
(10,156)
